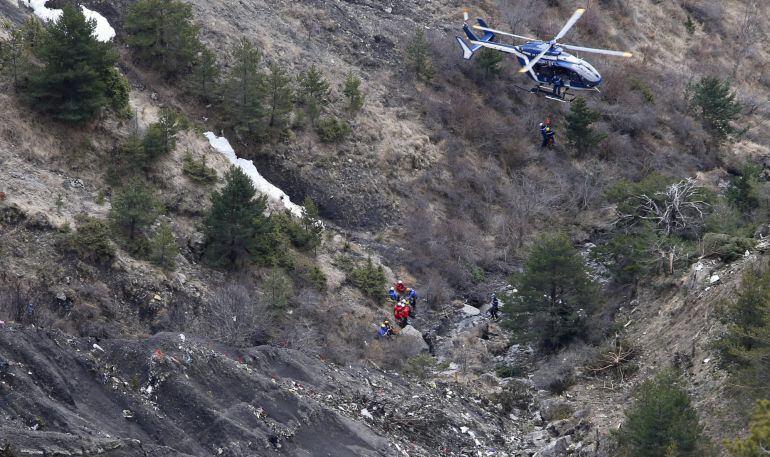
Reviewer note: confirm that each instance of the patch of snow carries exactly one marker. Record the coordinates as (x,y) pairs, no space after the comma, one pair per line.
(103,31)
(713,279)
(262,185)
(365,412)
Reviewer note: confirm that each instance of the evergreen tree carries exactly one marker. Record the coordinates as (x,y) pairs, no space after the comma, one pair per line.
(489,62)
(129,159)
(72,85)
(162,35)
(134,207)
(556,290)
(369,279)
(744,349)
(280,100)
(579,132)
(205,75)
(245,91)
(164,248)
(236,226)
(352,92)
(118,90)
(715,104)
(314,93)
(418,58)
(160,138)
(311,224)
(661,422)
(278,288)
(757,444)
(15,50)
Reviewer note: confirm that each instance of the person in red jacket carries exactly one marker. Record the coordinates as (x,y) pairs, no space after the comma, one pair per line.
(398,311)
(400,288)
(405,312)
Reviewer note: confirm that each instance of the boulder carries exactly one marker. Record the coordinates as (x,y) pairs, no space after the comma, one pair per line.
(414,334)
(556,448)
(471,310)
(489,380)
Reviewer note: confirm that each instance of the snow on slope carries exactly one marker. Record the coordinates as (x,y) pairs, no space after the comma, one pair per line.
(262,185)
(103,31)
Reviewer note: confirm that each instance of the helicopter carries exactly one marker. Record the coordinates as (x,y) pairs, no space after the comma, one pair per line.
(555,71)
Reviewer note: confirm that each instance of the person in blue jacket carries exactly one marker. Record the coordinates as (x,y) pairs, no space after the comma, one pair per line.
(394,295)
(411,295)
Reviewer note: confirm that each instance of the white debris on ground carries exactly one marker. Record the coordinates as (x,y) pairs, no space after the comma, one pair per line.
(262,185)
(103,32)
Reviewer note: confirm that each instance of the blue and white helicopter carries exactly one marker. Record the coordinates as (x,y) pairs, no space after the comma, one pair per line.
(554,71)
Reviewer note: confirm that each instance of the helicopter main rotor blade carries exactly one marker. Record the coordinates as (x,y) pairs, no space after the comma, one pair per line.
(575,16)
(596,51)
(499,32)
(534,61)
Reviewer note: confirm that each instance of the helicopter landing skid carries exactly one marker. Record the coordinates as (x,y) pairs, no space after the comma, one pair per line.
(563,96)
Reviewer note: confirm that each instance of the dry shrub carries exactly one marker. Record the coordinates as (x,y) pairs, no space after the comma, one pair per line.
(391,353)
(235,315)
(559,373)
(515,394)
(708,12)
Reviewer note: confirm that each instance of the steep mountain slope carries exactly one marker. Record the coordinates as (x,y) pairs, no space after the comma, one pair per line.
(442,182)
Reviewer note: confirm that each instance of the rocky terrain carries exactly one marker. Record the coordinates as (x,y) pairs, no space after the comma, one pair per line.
(442,183)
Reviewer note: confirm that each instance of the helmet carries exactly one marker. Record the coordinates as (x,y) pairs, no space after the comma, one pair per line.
(542,125)
(401,282)
(408,289)
(382,325)
(392,289)
(385,322)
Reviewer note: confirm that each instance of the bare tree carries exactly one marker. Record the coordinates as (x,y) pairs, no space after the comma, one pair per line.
(676,210)
(235,315)
(749,35)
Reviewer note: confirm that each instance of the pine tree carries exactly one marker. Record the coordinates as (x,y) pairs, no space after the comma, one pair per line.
(369,279)
(72,86)
(17,49)
(489,62)
(744,349)
(311,224)
(160,138)
(277,288)
(757,444)
(205,75)
(162,35)
(661,421)
(579,132)
(417,56)
(352,92)
(134,207)
(556,290)
(715,104)
(245,90)
(314,93)
(164,248)
(280,100)
(236,227)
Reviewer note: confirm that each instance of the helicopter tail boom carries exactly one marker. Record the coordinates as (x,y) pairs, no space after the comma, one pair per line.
(468,51)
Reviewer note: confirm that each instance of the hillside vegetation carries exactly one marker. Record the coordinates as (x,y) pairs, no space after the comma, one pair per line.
(629,257)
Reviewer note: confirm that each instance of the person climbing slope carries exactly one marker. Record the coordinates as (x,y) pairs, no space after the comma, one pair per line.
(493,310)
(406,313)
